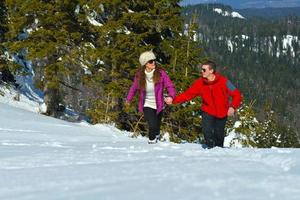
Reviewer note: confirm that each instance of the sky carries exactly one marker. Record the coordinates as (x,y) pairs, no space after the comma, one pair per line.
(249,3)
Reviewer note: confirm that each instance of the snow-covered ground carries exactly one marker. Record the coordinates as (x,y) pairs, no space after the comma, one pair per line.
(45,158)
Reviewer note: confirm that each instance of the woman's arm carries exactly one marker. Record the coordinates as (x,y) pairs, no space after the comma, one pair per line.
(133,89)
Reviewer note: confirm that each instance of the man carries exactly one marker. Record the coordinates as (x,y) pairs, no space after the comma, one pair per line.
(215,91)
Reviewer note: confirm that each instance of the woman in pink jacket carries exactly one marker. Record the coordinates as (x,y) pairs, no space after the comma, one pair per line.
(150,82)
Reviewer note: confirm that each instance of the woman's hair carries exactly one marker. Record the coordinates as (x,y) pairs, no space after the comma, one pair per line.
(142,76)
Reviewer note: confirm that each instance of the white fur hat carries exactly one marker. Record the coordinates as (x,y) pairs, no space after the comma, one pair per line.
(146,56)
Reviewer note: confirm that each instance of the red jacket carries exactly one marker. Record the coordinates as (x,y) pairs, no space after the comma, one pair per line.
(215,95)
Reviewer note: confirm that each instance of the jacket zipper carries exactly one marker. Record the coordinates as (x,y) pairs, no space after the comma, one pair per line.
(213,99)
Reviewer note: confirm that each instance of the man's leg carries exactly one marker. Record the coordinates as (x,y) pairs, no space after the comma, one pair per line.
(220,131)
(208,129)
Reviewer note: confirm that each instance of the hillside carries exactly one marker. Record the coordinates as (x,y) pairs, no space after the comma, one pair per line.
(271,13)
(45,158)
(242,4)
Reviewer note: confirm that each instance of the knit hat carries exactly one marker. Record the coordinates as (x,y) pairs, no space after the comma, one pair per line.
(146,56)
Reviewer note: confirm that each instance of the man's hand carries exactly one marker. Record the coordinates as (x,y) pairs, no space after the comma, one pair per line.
(230,112)
(168,100)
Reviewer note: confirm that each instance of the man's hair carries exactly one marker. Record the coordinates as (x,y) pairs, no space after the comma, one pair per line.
(211,64)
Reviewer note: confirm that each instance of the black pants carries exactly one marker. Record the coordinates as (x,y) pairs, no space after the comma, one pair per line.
(213,129)
(153,119)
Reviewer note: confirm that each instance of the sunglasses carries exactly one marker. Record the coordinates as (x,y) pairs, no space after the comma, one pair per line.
(151,61)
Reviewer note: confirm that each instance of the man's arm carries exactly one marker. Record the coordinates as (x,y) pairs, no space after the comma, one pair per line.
(235,94)
(189,94)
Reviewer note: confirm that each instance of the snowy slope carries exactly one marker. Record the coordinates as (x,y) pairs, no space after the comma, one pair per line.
(45,158)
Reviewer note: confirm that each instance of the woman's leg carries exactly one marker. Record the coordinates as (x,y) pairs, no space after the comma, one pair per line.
(153,120)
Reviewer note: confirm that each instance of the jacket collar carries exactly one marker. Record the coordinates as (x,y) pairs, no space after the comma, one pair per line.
(217,78)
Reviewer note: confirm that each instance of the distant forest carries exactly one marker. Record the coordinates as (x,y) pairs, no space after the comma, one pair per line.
(269,12)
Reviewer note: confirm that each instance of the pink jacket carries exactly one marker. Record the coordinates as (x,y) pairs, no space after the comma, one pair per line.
(159,87)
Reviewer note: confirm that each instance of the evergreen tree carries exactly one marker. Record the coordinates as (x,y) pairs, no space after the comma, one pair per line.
(129,28)
(248,126)
(3,29)
(274,134)
(183,122)
(269,133)
(51,33)
(6,67)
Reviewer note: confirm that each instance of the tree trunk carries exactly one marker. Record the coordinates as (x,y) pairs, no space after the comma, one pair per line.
(51,99)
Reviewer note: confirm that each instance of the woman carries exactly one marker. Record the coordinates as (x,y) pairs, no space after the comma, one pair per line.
(150,81)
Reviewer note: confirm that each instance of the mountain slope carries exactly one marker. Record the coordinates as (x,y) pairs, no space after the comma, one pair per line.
(247,3)
(45,158)
(271,13)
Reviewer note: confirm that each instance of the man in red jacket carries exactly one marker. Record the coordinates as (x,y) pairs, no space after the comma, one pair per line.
(215,91)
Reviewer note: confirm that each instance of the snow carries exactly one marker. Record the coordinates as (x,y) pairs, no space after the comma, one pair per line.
(46,158)
(93,21)
(77,10)
(288,42)
(24,102)
(27,96)
(237,15)
(228,14)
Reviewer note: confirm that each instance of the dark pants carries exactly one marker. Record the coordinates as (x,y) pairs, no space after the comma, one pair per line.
(153,119)
(213,129)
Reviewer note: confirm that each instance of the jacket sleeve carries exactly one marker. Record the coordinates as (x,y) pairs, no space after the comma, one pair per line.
(235,94)
(169,85)
(189,94)
(133,89)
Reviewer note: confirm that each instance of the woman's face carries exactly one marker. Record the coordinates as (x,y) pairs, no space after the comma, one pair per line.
(150,65)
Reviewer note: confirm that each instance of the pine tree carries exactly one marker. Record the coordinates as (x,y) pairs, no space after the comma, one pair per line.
(3,29)
(6,67)
(50,31)
(273,133)
(183,122)
(269,133)
(129,28)
(247,127)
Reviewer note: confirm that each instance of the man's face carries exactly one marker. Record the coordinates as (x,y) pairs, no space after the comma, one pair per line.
(206,71)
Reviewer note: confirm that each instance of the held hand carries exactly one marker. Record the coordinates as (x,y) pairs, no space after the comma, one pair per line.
(230,112)
(168,100)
